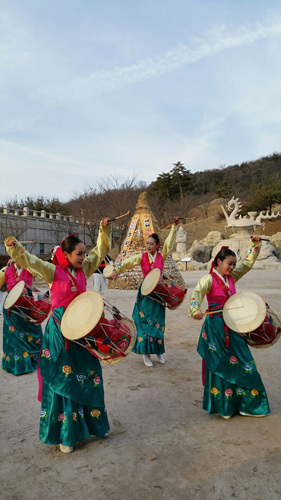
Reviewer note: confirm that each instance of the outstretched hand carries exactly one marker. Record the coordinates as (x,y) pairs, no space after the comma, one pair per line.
(11,242)
(256,238)
(198,315)
(105,221)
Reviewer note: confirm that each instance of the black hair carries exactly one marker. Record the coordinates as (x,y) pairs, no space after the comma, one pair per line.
(155,237)
(222,254)
(69,244)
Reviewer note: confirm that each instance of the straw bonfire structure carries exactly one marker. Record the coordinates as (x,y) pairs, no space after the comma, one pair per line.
(141,225)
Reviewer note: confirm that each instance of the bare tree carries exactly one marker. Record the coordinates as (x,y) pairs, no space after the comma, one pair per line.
(114,197)
(120,196)
(12,227)
(88,208)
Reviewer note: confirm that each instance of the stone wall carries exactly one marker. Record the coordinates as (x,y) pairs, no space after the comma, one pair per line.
(40,231)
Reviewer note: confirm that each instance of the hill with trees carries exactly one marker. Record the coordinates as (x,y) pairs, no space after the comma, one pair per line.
(257,184)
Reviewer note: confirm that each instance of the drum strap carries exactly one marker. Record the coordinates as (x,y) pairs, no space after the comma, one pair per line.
(73,281)
(222,284)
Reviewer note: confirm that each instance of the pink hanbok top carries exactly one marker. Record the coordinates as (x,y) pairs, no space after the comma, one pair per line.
(12,277)
(219,292)
(65,287)
(147,265)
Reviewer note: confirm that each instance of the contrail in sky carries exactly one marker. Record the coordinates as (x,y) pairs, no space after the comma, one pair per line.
(103,81)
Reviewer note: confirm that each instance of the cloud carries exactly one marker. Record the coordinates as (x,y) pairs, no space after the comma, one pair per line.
(103,81)
(81,100)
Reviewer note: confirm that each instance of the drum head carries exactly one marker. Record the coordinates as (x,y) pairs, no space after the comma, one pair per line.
(150,281)
(14,295)
(244,311)
(108,270)
(82,315)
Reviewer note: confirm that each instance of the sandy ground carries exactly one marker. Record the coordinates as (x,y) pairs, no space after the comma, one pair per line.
(162,444)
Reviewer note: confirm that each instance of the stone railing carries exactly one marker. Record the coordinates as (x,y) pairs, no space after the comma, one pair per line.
(27,212)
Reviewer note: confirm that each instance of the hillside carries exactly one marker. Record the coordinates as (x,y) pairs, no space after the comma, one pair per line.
(214,221)
(238,179)
(257,184)
(199,229)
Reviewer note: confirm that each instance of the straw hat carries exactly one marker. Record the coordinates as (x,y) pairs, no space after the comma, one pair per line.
(150,281)
(14,295)
(82,315)
(244,311)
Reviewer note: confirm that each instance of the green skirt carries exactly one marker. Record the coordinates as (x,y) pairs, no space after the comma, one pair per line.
(149,318)
(232,381)
(72,407)
(62,420)
(22,342)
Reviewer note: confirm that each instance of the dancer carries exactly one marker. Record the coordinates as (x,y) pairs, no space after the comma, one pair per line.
(22,339)
(230,377)
(72,405)
(149,315)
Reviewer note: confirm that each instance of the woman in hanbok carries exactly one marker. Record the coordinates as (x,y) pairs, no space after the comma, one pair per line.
(22,340)
(72,399)
(230,377)
(149,315)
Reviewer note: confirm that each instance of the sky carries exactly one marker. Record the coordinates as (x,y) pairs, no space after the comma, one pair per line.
(92,90)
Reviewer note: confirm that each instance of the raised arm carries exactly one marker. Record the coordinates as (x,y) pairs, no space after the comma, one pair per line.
(37,267)
(245,265)
(171,238)
(99,252)
(129,263)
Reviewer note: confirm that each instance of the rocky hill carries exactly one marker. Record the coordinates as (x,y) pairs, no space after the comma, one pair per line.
(209,217)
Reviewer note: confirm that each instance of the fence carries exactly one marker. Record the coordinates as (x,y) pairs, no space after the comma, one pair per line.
(39,231)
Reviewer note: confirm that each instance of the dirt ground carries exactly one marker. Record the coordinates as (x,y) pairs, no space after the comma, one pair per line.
(162,444)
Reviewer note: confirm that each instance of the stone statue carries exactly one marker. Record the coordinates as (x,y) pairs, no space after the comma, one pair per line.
(180,245)
(242,228)
(244,225)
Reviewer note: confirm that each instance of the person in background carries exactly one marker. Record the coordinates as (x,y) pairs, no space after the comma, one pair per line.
(22,340)
(100,282)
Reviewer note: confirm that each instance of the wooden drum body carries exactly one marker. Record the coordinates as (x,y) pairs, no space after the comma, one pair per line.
(247,314)
(28,302)
(163,290)
(99,327)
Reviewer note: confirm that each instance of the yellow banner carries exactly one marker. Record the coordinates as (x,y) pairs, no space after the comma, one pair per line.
(129,237)
(147,225)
